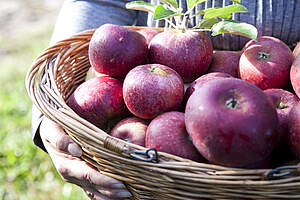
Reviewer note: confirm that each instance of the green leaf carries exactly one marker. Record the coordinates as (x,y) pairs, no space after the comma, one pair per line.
(162,13)
(192,3)
(141,5)
(234,27)
(207,23)
(202,12)
(219,12)
(237,1)
(170,2)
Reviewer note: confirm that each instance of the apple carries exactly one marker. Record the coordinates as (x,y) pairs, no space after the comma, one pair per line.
(167,133)
(296,50)
(225,61)
(294,130)
(114,50)
(151,89)
(266,63)
(98,100)
(188,53)
(131,129)
(148,33)
(266,163)
(283,101)
(295,75)
(231,122)
(202,80)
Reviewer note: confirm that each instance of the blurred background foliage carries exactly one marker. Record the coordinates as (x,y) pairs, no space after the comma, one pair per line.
(26,172)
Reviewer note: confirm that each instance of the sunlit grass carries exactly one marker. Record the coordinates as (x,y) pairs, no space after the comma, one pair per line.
(26,172)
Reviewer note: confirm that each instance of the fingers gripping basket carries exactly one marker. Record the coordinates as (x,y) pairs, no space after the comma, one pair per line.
(56,73)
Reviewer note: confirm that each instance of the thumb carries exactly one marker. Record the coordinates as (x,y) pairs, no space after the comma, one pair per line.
(55,135)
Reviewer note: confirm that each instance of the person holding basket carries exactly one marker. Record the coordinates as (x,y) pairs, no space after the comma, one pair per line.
(273,18)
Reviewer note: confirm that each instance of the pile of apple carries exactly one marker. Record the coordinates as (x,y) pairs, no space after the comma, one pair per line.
(171,91)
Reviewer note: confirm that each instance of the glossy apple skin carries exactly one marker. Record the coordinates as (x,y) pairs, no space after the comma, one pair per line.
(148,33)
(266,63)
(283,101)
(167,133)
(131,129)
(295,75)
(114,50)
(202,80)
(294,130)
(152,89)
(188,53)
(226,62)
(98,100)
(231,122)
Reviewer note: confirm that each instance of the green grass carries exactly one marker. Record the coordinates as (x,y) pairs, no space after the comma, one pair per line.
(26,172)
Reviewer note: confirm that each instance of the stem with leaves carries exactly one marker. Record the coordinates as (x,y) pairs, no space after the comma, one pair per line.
(217,20)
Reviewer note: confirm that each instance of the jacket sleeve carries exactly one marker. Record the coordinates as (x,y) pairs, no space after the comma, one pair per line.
(76,16)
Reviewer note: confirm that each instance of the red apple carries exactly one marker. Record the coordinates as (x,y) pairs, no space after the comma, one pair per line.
(283,101)
(131,129)
(152,89)
(295,75)
(189,53)
(266,63)
(231,122)
(202,80)
(266,163)
(294,130)
(98,100)
(167,133)
(296,50)
(226,62)
(114,50)
(148,33)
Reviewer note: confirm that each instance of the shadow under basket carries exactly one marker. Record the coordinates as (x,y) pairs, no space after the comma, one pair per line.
(148,174)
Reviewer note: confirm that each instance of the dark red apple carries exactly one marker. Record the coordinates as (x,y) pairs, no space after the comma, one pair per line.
(131,129)
(202,80)
(226,62)
(263,164)
(152,89)
(167,133)
(98,100)
(189,53)
(266,63)
(294,130)
(295,75)
(114,50)
(283,101)
(231,122)
(148,33)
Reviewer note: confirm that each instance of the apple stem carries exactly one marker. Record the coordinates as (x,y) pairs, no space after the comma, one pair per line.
(263,55)
(232,103)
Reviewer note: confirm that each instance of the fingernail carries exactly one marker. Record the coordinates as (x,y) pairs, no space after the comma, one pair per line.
(118,186)
(124,194)
(74,150)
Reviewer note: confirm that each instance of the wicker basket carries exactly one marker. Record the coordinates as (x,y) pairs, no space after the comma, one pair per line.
(148,174)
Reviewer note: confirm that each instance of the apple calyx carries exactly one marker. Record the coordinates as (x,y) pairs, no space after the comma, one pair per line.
(281,105)
(157,70)
(263,55)
(232,103)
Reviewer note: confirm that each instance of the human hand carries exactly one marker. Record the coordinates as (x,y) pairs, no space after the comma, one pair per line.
(65,154)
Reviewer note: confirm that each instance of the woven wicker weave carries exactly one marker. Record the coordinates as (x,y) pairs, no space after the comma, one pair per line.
(57,72)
